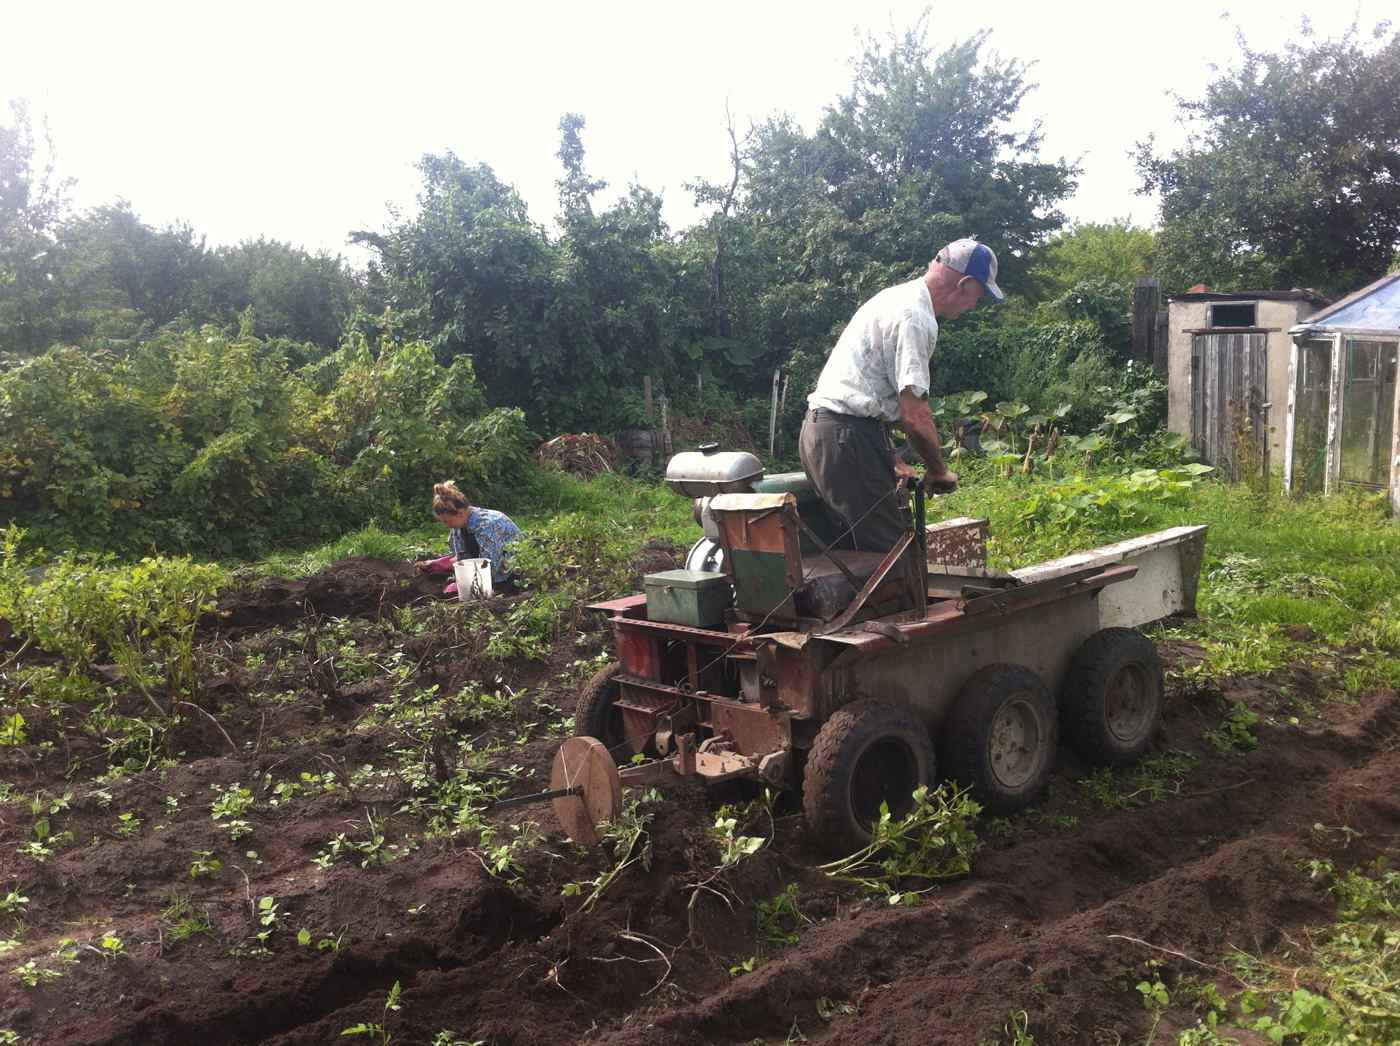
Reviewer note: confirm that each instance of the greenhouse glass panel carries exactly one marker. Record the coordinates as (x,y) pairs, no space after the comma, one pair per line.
(1368,399)
(1312,399)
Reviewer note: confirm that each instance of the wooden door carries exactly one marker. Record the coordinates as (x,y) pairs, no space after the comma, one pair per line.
(1229,402)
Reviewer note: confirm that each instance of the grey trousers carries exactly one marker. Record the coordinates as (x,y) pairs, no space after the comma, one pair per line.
(849,461)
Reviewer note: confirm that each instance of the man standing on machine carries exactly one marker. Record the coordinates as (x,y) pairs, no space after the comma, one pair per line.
(878,375)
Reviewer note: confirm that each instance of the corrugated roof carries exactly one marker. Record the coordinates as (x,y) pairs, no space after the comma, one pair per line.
(1375,307)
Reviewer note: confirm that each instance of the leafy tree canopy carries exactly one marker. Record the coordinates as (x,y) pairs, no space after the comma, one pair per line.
(1292,175)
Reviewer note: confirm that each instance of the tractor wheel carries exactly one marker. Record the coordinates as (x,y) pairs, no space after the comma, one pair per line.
(1112,700)
(999,737)
(597,714)
(867,754)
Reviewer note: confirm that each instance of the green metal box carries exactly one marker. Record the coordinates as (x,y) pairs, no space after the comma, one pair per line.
(697,598)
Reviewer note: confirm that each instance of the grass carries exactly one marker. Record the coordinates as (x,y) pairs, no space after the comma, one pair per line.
(1331,565)
(639,509)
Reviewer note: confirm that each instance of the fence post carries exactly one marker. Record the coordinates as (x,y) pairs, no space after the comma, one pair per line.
(1160,345)
(1147,299)
(773,413)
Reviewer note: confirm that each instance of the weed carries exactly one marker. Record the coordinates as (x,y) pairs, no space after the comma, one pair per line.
(1351,973)
(734,847)
(778,920)
(12,902)
(128,824)
(829,1009)
(626,838)
(1151,780)
(934,841)
(502,859)
(1155,999)
(371,849)
(380,1030)
(182,920)
(229,806)
(31,974)
(1017,1029)
(268,912)
(12,730)
(1235,732)
(449,1038)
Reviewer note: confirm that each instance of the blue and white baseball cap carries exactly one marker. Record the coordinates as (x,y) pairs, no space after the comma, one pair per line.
(971,258)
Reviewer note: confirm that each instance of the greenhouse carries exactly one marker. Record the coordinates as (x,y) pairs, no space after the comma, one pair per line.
(1342,429)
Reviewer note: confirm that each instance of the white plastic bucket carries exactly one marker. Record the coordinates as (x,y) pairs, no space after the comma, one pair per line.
(473,579)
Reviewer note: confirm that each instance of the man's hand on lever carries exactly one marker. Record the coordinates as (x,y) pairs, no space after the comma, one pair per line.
(917,421)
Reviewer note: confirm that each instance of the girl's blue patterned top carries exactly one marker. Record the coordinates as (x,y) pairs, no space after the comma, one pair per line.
(493,531)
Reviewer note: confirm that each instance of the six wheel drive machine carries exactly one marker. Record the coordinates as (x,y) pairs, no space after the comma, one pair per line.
(777,657)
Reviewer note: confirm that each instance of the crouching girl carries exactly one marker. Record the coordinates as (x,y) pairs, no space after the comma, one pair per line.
(473,533)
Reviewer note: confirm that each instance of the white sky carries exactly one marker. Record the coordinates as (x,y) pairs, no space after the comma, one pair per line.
(301,121)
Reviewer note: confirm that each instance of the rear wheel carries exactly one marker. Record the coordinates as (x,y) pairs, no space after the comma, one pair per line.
(1112,700)
(999,737)
(597,714)
(868,754)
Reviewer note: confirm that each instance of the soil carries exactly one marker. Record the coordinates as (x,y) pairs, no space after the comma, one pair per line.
(1060,917)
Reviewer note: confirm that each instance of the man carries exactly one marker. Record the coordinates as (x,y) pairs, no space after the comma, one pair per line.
(878,374)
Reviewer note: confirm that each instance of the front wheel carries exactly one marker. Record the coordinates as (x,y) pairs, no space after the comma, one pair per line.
(867,755)
(999,737)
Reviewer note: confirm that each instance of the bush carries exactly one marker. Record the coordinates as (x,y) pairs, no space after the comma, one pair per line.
(142,617)
(577,555)
(206,442)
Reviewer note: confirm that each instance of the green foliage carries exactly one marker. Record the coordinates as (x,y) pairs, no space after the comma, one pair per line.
(1235,733)
(1115,252)
(1149,781)
(934,841)
(210,442)
(1110,502)
(378,1031)
(142,617)
(1288,180)
(779,920)
(577,554)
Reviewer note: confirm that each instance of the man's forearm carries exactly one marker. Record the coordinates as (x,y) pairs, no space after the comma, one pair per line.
(929,448)
(921,430)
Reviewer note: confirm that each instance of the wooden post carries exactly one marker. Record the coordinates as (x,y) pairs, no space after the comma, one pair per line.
(1147,300)
(773,413)
(646,395)
(1395,456)
(1332,477)
(1161,344)
(1290,420)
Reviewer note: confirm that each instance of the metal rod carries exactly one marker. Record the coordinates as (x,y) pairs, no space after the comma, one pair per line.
(538,797)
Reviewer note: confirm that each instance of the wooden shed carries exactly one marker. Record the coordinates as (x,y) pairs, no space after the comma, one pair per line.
(1343,423)
(1228,373)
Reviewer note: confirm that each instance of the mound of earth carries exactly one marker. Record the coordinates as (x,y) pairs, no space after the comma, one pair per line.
(355,587)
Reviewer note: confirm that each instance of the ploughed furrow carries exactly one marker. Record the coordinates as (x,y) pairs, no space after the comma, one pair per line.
(1031,930)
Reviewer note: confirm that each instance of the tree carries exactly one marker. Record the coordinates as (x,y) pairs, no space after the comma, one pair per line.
(922,150)
(32,203)
(1116,251)
(1292,174)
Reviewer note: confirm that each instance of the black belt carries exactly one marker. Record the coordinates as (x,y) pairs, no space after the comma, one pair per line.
(817,413)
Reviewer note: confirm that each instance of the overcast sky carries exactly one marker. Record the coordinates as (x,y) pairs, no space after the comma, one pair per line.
(301,121)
